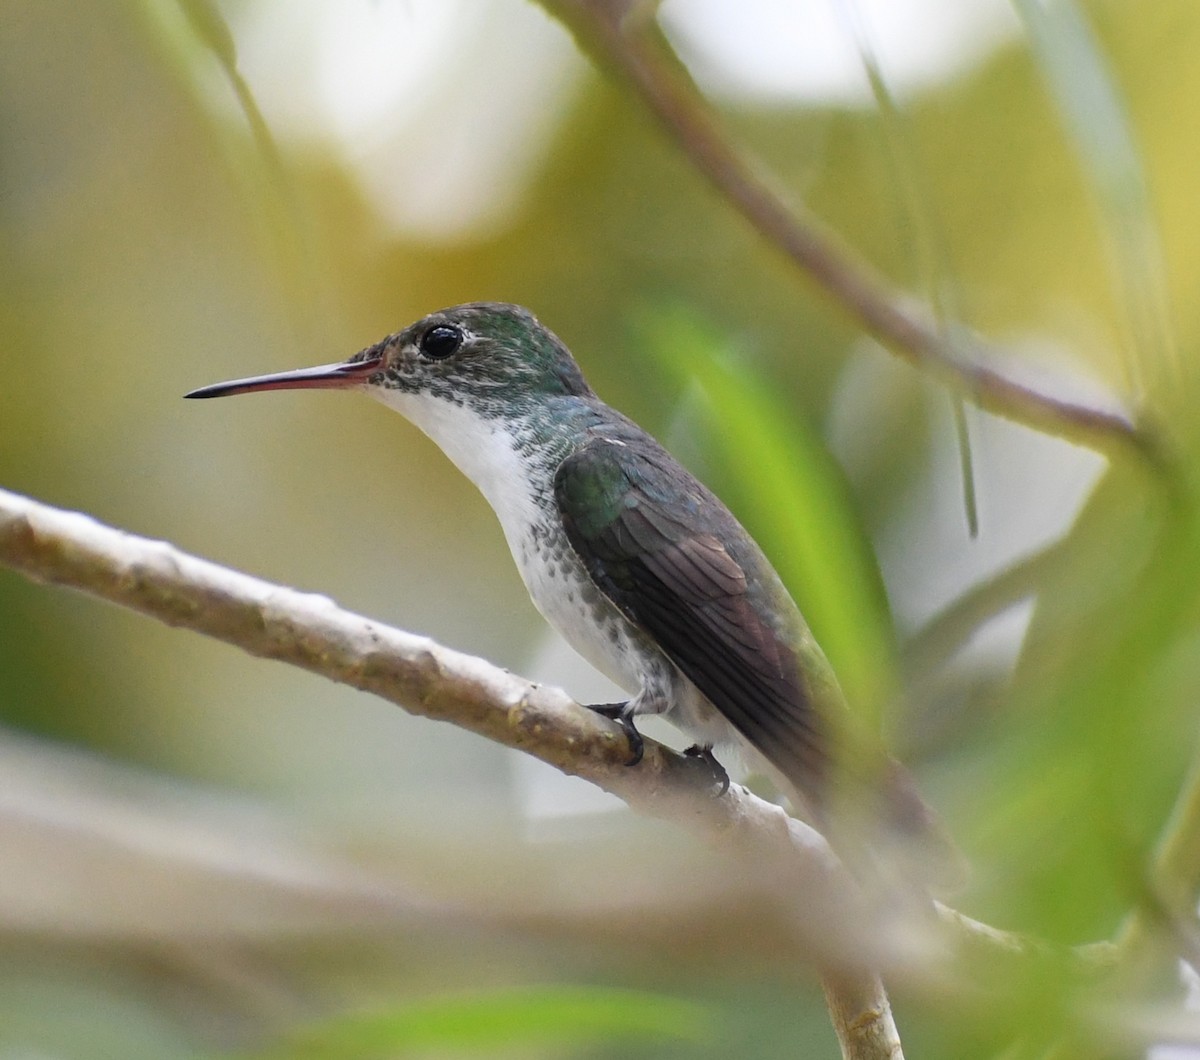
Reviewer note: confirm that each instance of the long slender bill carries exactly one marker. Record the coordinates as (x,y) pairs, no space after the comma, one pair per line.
(322,377)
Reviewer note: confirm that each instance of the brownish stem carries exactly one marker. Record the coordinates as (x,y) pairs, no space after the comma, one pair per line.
(862,1016)
(626,41)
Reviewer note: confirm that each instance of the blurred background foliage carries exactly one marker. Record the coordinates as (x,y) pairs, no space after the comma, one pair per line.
(203,852)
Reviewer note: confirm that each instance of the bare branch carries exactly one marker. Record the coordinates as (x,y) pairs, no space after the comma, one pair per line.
(625,40)
(861,1016)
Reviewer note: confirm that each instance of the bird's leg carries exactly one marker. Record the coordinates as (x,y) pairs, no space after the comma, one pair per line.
(704,752)
(622,714)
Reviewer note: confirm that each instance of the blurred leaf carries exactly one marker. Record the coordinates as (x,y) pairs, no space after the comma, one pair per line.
(209,25)
(791,493)
(1094,114)
(918,231)
(1101,724)
(213,33)
(484,1023)
(190,35)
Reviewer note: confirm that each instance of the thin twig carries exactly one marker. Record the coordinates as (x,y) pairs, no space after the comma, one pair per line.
(1164,925)
(627,42)
(919,232)
(947,631)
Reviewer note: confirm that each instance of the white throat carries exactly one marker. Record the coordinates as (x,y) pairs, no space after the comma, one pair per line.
(483,451)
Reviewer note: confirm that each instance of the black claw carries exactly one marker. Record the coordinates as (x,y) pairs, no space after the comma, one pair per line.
(705,753)
(619,712)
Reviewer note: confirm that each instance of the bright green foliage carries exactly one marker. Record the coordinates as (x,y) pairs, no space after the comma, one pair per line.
(516,1022)
(782,482)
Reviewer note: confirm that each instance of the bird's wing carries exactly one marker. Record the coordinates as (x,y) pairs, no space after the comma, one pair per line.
(662,549)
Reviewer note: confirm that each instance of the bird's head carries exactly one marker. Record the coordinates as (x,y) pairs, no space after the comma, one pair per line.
(491,356)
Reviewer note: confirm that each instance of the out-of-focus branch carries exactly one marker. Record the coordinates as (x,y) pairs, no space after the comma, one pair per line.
(861,1016)
(623,37)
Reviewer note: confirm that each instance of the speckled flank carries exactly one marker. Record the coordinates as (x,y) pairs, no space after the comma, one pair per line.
(516,475)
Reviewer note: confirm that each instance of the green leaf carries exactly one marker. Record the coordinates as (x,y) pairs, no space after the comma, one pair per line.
(506,1019)
(790,493)
(210,27)
(1093,113)
(919,232)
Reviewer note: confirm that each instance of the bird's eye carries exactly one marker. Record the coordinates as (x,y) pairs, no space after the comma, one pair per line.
(440,341)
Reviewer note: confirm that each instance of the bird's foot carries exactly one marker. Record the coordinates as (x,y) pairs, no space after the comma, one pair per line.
(704,752)
(623,716)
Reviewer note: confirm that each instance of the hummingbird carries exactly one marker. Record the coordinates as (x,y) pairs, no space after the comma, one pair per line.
(637,564)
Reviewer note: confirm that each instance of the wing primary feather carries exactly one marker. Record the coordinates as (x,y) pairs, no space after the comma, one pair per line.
(659,546)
